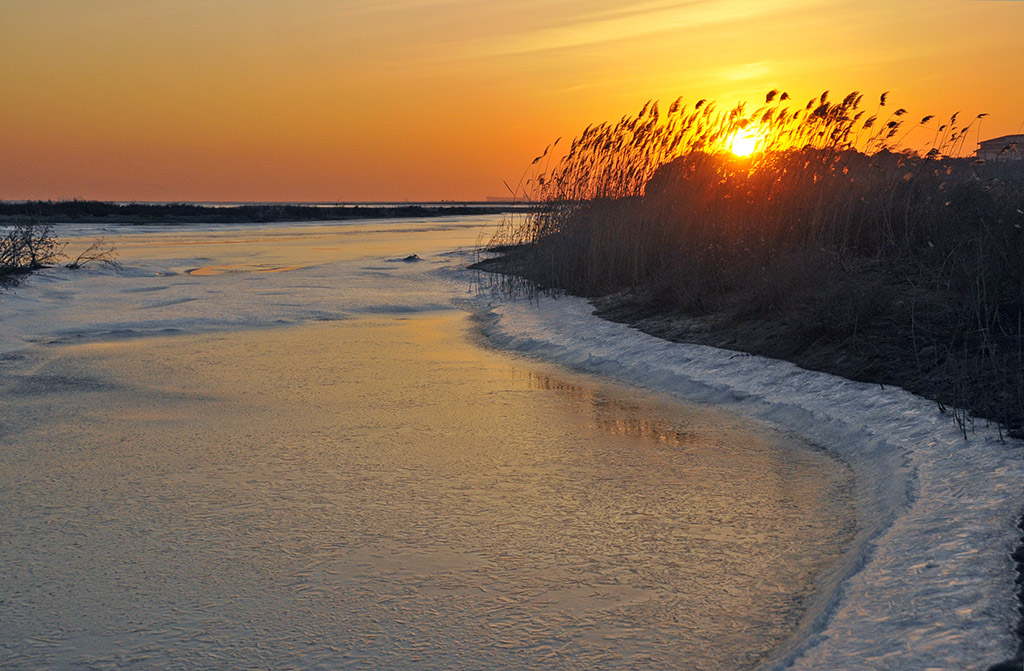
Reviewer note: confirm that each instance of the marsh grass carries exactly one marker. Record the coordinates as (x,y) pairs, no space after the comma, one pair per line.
(908,264)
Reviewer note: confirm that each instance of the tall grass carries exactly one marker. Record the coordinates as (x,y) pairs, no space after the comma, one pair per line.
(913,260)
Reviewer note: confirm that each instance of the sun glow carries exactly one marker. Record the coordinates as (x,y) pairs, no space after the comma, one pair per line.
(744,143)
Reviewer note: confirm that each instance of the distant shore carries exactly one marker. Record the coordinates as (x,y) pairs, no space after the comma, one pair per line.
(99,212)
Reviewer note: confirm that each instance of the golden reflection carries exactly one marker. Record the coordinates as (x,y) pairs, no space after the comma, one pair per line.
(612,415)
(223,270)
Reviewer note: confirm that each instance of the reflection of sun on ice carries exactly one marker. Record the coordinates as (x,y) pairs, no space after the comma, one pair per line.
(744,143)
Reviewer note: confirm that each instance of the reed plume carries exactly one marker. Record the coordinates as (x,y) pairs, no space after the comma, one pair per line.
(828,221)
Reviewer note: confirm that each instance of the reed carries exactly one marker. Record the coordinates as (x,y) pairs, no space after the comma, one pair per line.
(907,261)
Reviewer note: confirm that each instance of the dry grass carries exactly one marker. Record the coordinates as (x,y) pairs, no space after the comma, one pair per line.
(909,261)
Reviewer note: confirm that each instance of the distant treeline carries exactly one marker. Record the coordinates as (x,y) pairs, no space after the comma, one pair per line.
(89,211)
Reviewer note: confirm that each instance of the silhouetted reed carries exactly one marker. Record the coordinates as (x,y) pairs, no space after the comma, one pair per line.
(828,225)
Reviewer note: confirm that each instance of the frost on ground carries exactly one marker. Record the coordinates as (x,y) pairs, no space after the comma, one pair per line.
(929,581)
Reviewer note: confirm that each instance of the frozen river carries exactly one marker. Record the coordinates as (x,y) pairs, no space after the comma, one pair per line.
(279,447)
(286,447)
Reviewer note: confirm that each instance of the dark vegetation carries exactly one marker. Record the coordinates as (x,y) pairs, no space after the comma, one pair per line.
(1017,662)
(828,246)
(87,211)
(25,248)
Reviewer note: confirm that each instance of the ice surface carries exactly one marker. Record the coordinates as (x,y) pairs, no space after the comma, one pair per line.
(381,493)
(194,279)
(270,447)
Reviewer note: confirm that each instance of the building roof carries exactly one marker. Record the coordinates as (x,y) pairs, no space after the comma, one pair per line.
(1003,141)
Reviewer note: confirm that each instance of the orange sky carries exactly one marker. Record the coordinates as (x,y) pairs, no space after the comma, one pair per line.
(437,99)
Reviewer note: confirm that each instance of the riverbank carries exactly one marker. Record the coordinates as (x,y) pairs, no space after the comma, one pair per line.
(832,248)
(856,359)
(98,212)
(877,352)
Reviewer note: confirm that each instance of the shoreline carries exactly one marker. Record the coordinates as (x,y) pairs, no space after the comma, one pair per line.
(97,212)
(913,471)
(737,337)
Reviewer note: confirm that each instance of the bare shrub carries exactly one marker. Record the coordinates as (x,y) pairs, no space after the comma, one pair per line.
(99,252)
(28,247)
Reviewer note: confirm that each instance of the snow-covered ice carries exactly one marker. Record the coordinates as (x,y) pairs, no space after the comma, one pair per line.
(929,584)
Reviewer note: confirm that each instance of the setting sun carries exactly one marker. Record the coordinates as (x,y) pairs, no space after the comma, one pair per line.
(744,143)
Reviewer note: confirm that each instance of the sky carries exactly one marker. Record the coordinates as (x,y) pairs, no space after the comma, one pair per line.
(353,100)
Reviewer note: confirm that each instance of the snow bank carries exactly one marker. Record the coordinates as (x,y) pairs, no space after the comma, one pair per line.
(928,583)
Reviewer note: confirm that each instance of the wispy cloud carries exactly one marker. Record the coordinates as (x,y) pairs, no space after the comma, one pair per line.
(355,8)
(638,20)
(746,71)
